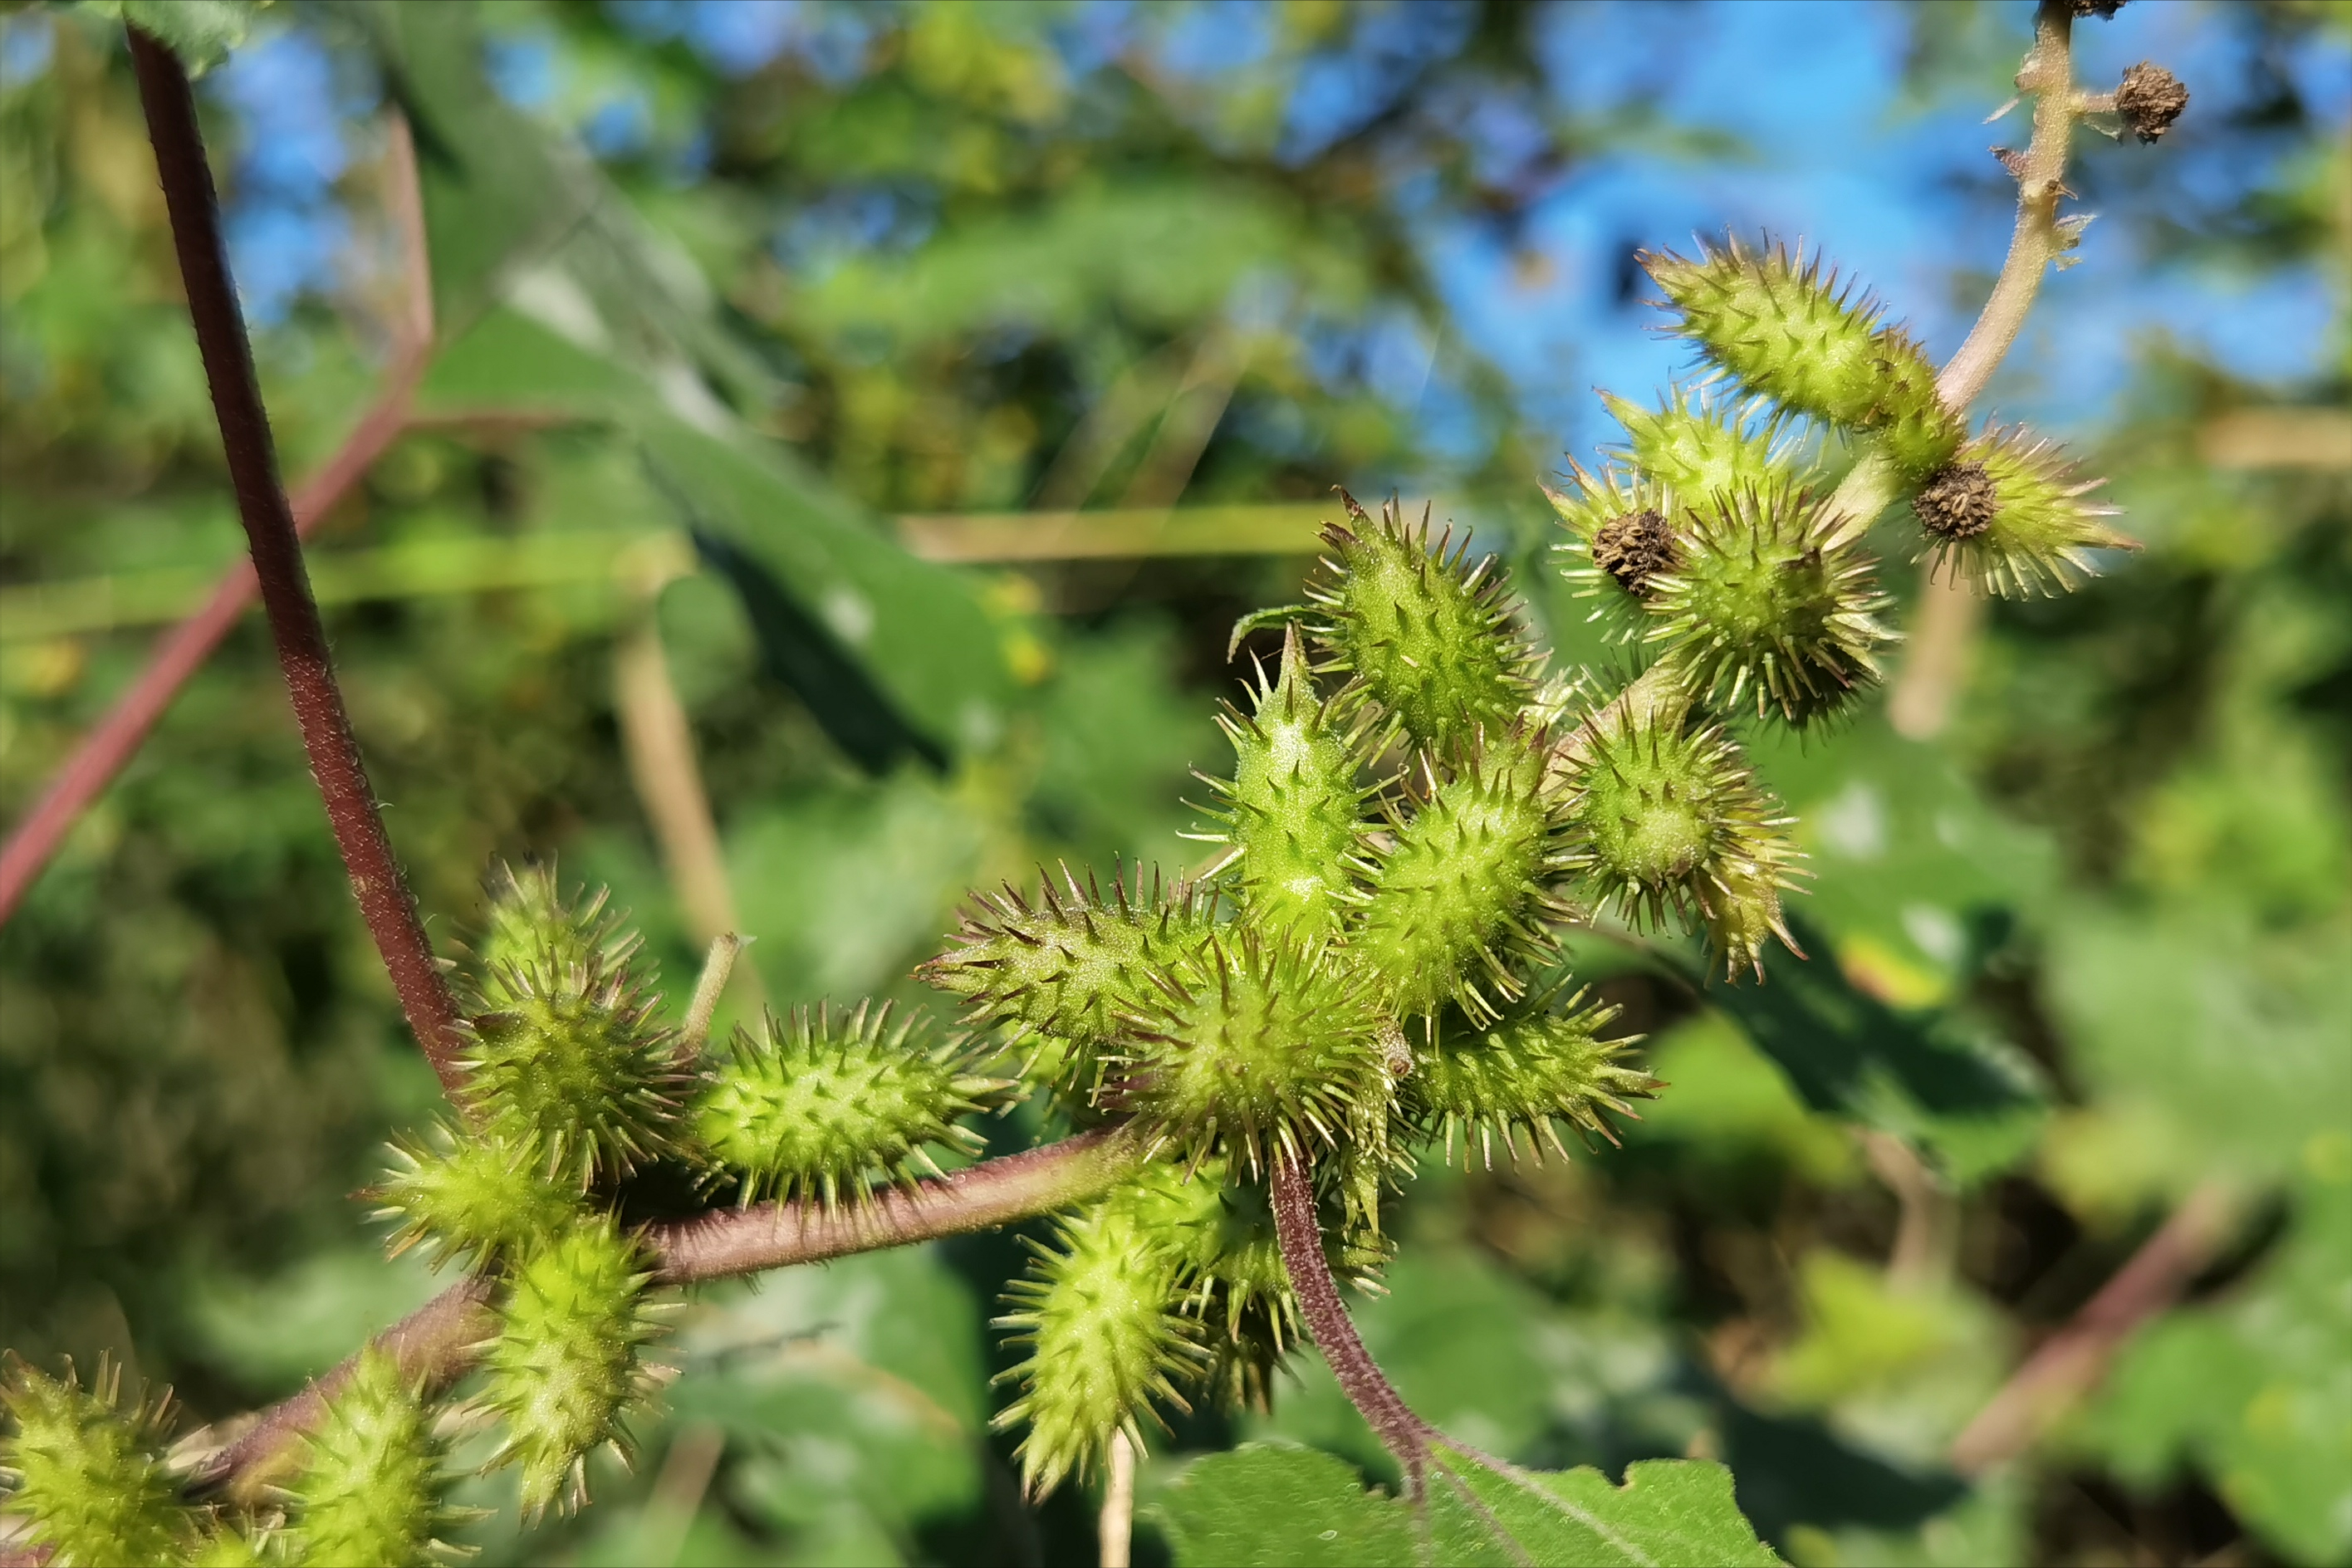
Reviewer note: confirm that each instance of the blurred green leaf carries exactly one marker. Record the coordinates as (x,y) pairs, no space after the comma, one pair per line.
(274,1334)
(846,889)
(201,32)
(2257,1388)
(851,1398)
(1967,1102)
(1261,1504)
(2229,1034)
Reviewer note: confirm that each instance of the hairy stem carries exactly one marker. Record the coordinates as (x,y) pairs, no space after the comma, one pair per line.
(1932,673)
(440,1341)
(182,651)
(2048,73)
(385,899)
(434,1345)
(1872,484)
(1402,1432)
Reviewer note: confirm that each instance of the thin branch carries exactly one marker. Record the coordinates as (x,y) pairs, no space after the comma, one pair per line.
(1404,1434)
(659,744)
(385,901)
(1872,484)
(2071,1363)
(439,1342)
(717,966)
(433,1344)
(104,751)
(2048,73)
(1114,1527)
(726,1242)
(1936,661)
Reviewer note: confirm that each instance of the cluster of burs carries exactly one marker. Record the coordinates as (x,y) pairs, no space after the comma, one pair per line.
(1368,971)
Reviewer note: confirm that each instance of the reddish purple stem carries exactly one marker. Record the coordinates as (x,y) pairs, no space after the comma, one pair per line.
(384,900)
(1404,1434)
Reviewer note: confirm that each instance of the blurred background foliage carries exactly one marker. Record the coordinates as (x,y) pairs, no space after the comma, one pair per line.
(845,360)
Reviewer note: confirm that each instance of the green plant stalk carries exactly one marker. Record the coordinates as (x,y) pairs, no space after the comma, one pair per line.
(1872,484)
(440,1341)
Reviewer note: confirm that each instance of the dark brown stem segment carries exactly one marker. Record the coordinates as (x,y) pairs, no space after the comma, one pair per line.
(439,1342)
(1404,1434)
(384,900)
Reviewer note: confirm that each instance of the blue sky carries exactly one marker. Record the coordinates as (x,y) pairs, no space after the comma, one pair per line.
(1839,155)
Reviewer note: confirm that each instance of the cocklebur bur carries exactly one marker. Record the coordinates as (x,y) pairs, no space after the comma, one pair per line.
(1431,638)
(1763,603)
(563,1370)
(1253,1047)
(811,1105)
(1293,812)
(569,1055)
(1056,975)
(86,1471)
(2009,515)
(1098,1312)
(475,1198)
(1786,329)
(371,1487)
(1521,1076)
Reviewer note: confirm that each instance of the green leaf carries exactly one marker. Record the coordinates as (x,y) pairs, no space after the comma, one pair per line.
(2226,1032)
(555,295)
(1968,1103)
(201,32)
(1261,1504)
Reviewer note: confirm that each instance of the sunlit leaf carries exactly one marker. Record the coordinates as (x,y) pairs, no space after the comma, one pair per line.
(1262,1504)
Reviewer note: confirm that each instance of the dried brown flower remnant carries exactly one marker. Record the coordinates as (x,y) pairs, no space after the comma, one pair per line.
(1633,547)
(1958,502)
(2150,98)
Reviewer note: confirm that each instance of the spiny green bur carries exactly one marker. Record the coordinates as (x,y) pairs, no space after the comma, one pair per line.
(1063,971)
(1656,810)
(1229,1272)
(1255,1043)
(816,1106)
(1704,447)
(573,1062)
(1099,1316)
(86,1476)
(1785,329)
(1524,1075)
(567,1056)
(2009,515)
(530,922)
(1466,886)
(1742,904)
(1763,606)
(1294,814)
(476,1198)
(1429,638)
(371,1486)
(564,1369)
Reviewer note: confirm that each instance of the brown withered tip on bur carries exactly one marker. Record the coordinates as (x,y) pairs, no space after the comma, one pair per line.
(2149,99)
(1957,502)
(1633,547)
